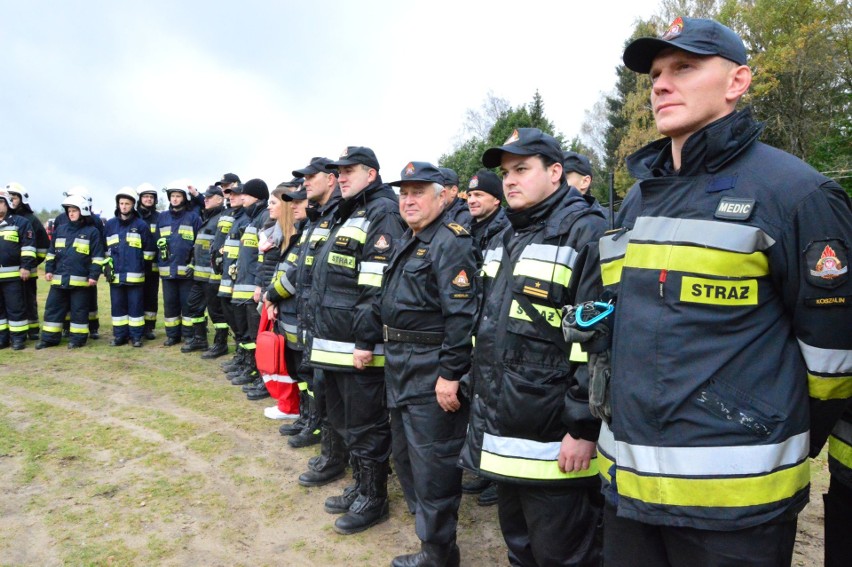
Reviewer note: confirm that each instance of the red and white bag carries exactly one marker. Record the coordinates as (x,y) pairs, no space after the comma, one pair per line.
(269,356)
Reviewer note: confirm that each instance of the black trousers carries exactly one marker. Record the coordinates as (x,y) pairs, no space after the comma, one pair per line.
(246,323)
(766,545)
(550,526)
(13,310)
(355,405)
(59,302)
(429,440)
(94,320)
(175,313)
(151,296)
(214,306)
(196,302)
(838,520)
(31,302)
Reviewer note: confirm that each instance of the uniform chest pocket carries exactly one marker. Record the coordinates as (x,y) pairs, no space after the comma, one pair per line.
(9,235)
(81,246)
(416,288)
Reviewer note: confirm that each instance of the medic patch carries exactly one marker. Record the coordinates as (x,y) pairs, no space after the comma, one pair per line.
(409,169)
(461,281)
(474,182)
(675,29)
(382,243)
(730,208)
(827,263)
(513,138)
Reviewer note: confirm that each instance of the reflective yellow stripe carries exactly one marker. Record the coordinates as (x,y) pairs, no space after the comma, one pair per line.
(553,316)
(577,354)
(697,260)
(718,492)
(341,359)
(112,240)
(604,466)
(840,451)
(718,292)
(542,270)
(829,387)
(373,280)
(611,271)
(517,467)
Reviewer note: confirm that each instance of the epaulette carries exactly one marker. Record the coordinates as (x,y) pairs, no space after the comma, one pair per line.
(457,229)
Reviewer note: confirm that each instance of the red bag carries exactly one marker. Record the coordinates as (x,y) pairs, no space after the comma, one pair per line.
(269,356)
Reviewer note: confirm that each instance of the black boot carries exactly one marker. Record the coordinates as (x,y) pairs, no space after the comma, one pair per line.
(148,333)
(19,342)
(310,433)
(331,464)
(236,360)
(220,345)
(431,555)
(297,426)
(249,374)
(199,339)
(340,504)
(371,505)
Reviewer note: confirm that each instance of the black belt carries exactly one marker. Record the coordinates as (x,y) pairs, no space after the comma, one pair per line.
(403,336)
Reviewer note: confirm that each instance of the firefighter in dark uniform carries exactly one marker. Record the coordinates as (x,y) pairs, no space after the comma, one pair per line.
(73,265)
(146,206)
(229,254)
(203,295)
(130,247)
(579,174)
(175,238)
(531,429)
(838,500)
(730,260)
(427,309)
(92,291)
(21,207)
(17,261)
(455,209)
(246,293)
(347,341)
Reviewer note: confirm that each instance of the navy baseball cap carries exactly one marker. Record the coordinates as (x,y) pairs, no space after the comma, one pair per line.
(213,190)
(524,142)
(487,181)
(572,161)
(450,176)
(353,155)
(420,171)
(317,165)
(230,178)
(694,35)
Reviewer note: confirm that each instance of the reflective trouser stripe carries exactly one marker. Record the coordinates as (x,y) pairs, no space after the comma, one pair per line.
(171,321)
(150,315)
(51,327)
(123,320)
(136,321)
(77,328)
(220,325)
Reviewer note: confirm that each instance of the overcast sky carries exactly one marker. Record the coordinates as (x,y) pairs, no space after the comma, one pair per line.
(112,93)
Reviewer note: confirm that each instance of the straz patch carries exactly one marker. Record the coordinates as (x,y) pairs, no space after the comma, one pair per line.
(827,262)
(718,292)
(382,243)
(730,208)
(342,260)
(461,281)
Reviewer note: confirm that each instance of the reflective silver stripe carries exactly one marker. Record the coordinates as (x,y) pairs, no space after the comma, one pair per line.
(606,442)
(112,240)
(135,275)
(564,255)
(123,320)
(203,270)
(292,329)
(825,360)
(361,223)
(291,289)
(244,287)
(377,268)
(79,279)
(136,321)
(59,243)
(713,234)
(611,249)
(320,234)
(28,249)
(524,448)
(843,431)
(79,327)
(98,259)
(342,347)
(205,236)
(737,460)
(9,269)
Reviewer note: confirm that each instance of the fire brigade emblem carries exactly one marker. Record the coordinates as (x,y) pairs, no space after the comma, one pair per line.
(345,152)
(829,265)
(409,169)
(461,281)
(382,244)
(513,138)
(474,182)
(675,29)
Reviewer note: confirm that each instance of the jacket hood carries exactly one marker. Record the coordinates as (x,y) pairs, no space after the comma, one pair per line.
(708,150)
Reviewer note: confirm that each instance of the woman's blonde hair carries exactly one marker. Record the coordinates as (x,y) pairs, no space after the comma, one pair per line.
(285,219)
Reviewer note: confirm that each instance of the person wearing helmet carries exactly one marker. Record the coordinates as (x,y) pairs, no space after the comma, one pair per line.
(146,206)
(17,260)
(94,321)
(130,247)
(175,238)
(73,265)
(20,204)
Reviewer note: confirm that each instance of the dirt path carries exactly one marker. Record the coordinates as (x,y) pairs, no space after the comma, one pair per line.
(148,457)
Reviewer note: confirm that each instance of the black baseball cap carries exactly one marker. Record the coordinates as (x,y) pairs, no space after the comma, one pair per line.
(212,191)
(295,182)
(572,161)
(353,155)
(487,181)
(524,142)
(299,195)
(317,165)
(293,190)
(450,176)
(420,171)
(694,35)
(238,188)
(230,178)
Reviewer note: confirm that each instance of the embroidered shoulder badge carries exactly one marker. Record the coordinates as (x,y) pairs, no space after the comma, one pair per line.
(461,281)
(827,263)
(382,243)
(458,229)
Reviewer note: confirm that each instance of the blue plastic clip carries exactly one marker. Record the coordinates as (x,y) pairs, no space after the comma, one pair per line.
(606,309)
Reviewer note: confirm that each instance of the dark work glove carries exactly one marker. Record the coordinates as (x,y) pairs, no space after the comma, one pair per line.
(600,373)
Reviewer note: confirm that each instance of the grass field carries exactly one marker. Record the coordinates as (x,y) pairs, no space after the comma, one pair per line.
(123,456)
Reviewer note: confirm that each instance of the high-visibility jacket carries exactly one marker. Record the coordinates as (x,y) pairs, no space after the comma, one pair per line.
(247,263)
(42,242)
(202,267)
(530,387)
(732,293)
(231,249)
(840,449)
(17,247)
(76,254)
(347,279)
(176,232)
(130,247)
(279,293)
(150,216)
